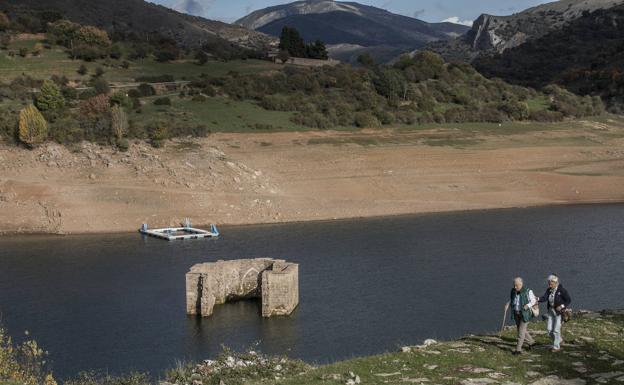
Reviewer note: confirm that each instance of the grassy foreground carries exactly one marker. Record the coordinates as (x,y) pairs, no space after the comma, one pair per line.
(593,353)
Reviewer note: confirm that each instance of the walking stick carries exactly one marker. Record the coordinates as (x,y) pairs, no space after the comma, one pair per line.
(504,319)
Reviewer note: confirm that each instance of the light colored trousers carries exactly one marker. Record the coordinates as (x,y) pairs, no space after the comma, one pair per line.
(554,328)
(523,332)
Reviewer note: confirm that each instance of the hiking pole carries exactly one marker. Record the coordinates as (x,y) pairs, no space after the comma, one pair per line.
(504,319)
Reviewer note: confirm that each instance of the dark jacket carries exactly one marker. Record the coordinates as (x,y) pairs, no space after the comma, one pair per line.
(526,314)
(561,297)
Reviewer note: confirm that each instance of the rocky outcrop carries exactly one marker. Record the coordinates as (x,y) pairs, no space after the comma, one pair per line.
(495,34)
(276,282)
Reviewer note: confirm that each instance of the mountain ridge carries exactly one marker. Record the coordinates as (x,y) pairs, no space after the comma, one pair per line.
(350,23)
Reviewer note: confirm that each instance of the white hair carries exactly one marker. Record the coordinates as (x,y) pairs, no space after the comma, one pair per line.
(519,279)
(553,278)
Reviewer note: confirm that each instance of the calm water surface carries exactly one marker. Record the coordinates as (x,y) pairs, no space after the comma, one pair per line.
(116,302)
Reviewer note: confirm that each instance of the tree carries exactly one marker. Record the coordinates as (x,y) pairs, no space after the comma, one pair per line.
(50,97)
(317,50)
(119,122)
(33,128)
(291,41)
(82,70)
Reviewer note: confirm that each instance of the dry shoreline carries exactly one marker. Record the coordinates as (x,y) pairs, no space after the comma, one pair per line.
(320,221)
(250,179)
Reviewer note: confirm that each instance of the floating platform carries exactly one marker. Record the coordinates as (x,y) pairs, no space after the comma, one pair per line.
(180,233)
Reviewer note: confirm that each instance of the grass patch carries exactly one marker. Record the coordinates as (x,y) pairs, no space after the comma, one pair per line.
(219,115)
(593,346)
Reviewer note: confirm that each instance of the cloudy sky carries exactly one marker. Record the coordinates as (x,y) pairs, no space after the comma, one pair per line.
(462,11)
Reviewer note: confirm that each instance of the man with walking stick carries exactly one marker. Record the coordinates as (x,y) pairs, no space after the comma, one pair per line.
(522,301)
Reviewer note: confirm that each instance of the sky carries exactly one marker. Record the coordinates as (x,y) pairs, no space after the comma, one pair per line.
(459,11)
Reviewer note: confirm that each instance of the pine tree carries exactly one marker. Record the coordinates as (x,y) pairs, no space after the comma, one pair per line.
(50,97)
(33,128)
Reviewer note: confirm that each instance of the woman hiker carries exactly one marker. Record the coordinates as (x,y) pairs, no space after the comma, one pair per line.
(558,300)
(522,301)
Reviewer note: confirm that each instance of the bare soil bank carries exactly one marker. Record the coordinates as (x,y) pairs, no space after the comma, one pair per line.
(281,177)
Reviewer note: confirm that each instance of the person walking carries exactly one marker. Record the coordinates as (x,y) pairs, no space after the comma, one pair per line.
(522,301)
(558,300)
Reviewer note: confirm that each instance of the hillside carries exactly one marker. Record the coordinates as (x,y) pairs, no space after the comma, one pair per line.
(495,34)
(585,56)
(353,24)
(140,18)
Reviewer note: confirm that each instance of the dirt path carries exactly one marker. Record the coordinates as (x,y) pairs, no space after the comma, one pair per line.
(259,178)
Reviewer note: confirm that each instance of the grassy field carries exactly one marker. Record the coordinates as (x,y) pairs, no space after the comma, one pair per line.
(55,61)
(218,114)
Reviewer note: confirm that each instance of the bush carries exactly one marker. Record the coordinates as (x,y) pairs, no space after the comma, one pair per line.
(546,116)
(165,101)
(366,120)
(24,363)
(96,105)
(99,71)
(120,98)
(146,90)
(82,70)
(101,86)
(49,97)
(119,122)
(33,128)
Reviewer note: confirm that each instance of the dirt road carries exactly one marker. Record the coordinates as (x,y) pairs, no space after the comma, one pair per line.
(259,178)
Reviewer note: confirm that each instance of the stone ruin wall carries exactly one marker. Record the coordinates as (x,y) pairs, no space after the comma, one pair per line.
(275,282)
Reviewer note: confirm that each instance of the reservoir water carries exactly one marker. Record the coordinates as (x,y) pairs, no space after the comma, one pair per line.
(116,302)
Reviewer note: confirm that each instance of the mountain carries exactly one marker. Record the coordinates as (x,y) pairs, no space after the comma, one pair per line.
(142,18)
(350,25)
(495,34)
(585,56)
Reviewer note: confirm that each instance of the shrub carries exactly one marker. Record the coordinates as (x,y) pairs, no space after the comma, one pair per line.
(33,128)
(4,22)
(165,101)
(115,51)
(22,363)
(49,97)
(23,52)
(96,105)
(146,90)
(366,120)
(82,70)
(119,122)
(123,145)
(101,86)
(99,71)
(122,99)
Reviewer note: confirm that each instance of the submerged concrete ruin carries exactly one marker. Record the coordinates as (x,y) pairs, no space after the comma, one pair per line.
(274,281)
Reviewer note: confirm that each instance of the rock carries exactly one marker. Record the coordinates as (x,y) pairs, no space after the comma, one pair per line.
(532,373)
(606,376)
(478,381)
(429,342)
(430,367)
(554,380)
(387,374)
(92,176)
(617,362)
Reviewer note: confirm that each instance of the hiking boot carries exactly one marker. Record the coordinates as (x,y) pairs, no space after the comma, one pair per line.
(555,350)
(516,352)
(530,346)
